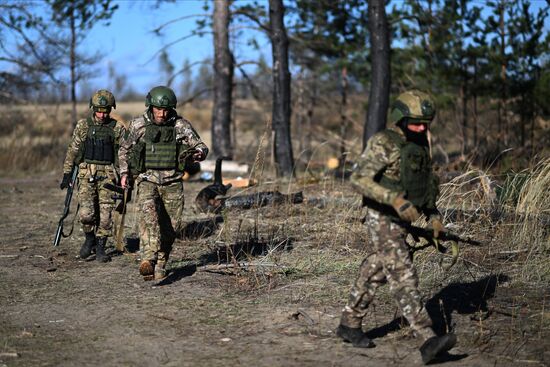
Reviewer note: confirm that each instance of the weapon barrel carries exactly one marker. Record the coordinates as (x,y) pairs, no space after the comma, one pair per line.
(67,205)
(58,233)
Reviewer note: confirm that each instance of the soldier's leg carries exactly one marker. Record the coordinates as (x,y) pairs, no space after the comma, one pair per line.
(149,229)
(104,230)
(370,278)
(87,198)
(403,279)
(362,292)
(171,213)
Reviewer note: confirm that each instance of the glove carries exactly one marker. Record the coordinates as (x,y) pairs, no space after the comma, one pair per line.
(405,209)
(65,181)
(437,226)
(198,155)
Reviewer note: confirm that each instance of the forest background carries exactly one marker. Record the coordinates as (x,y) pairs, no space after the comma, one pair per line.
(485,62)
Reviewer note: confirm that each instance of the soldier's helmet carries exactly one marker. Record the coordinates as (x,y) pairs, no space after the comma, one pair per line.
(413,105)
(161,97)
(102,101)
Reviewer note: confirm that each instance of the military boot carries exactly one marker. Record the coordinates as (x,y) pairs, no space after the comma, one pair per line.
(88,246)
(436,345)
(100,254)
(160,270)
(355,336)
(147,269)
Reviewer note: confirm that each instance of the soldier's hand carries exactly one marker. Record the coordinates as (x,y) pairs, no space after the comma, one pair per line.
(437,227)
(65,181)
(124,181)
(405,209)
(198,155)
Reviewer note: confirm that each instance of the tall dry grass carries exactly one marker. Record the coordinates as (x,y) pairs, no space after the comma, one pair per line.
(532,233)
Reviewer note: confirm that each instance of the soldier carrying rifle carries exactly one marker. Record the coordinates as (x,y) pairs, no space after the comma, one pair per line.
(93,148)
(394,174)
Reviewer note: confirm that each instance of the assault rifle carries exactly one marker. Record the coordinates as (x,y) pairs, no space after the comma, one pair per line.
(124,195)
(70,189)
(428,234)
(445,236)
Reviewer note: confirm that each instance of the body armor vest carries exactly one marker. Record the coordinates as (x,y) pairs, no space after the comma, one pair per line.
(415,172)
(99,146)
(161,148)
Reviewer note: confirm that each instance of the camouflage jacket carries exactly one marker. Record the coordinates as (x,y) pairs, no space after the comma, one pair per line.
(77,142)
(382,156)
(184,133)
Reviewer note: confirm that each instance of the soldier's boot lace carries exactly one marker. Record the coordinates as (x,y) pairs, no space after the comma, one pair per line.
(355,336)
(88,246)
(436,345)
(100,254)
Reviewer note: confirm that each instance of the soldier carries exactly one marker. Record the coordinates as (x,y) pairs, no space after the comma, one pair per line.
(93,147)
(394,174)
(158,145)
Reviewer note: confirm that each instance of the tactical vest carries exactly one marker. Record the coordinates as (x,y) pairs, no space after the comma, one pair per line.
(100,145)
(415,172)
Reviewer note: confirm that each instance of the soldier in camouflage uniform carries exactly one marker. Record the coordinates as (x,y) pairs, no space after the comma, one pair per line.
(93,147)
(394,174)
(158,145)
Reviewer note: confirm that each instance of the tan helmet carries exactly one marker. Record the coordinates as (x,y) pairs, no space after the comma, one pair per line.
(102,101)
(413,104)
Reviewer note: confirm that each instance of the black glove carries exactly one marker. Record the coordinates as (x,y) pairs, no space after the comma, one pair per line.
(65,181)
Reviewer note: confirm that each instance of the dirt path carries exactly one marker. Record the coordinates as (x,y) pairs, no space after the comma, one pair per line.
(57,310)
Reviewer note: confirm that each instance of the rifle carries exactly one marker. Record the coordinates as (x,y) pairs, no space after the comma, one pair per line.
(445,236)
(124,195)
(428,234)
(72,183)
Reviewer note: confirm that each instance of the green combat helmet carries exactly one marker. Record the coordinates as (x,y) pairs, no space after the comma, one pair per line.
(413,104)
(161,97)
(102,101)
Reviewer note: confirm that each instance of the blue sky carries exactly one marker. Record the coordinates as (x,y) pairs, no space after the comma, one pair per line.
(129,43)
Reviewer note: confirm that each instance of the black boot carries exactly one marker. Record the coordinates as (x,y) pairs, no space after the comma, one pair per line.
(355,336)
(88,245)
(436,345)
(100,254)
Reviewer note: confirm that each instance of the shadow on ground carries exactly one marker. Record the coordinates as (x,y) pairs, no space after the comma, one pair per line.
(463,298)
(244,249)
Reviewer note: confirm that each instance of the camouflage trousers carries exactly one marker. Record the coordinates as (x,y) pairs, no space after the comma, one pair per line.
(390,263)
(96,206)
(160,219)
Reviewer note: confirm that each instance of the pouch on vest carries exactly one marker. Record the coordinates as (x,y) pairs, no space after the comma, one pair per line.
(99,146)
(160,147)
(415,172)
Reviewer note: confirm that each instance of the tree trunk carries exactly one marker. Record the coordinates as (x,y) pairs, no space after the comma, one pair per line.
(343,115)
(380,81)
(475,101)
(223,82)
(464,92)
(284,161)
(73,67)
(503,124)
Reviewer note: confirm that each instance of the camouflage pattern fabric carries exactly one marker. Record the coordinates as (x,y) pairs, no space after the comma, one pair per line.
(160,218)
(96,202)
(390,263)
(184,133)
(79,137)
(381,155)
